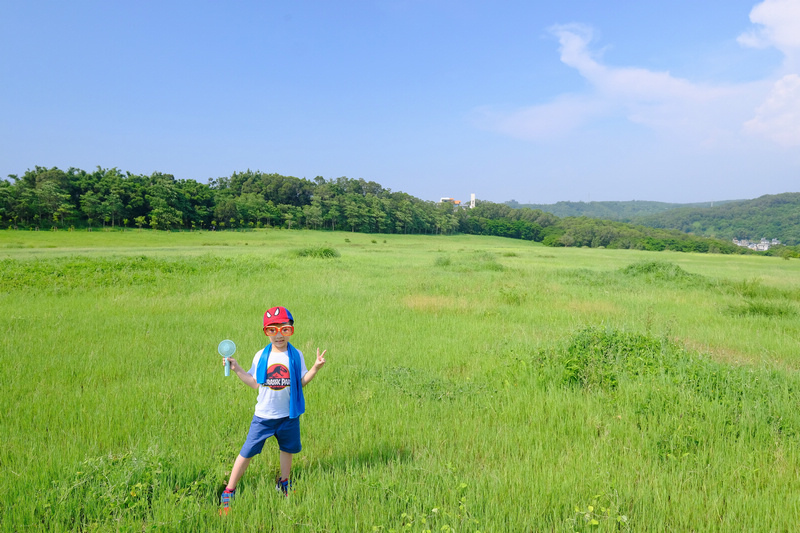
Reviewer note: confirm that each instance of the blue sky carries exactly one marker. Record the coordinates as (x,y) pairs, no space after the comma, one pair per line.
(582,100)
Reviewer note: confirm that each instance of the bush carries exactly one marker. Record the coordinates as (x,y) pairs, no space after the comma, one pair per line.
(320,252)
(659,271)
(596,358)
(443,261)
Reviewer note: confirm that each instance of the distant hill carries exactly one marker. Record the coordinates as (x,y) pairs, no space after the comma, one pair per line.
(772,216)
(775,216)
(623,211)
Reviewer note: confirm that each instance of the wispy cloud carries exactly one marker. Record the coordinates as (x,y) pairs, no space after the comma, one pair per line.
(778,25)
(684,110)
(556,119)
(778,118)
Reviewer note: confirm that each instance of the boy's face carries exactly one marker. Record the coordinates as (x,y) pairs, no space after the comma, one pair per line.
(278,334)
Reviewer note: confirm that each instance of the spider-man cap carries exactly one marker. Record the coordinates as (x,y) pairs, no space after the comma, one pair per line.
(278,315)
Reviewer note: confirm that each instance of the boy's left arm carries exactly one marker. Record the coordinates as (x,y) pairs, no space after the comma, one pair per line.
(313,371)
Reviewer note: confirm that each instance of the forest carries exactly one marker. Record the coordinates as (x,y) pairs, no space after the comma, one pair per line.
(54,199)
(624,211)
(772,216)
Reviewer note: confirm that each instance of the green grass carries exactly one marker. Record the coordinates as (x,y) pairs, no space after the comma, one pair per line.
(472,384)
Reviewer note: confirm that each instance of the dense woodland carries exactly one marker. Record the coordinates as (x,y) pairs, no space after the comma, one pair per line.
(54,199)
(771,216)
(624,211)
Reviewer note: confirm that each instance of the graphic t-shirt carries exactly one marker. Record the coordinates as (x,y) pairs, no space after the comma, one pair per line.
(273,396)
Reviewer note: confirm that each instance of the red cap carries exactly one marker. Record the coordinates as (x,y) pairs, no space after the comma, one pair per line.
(278,315)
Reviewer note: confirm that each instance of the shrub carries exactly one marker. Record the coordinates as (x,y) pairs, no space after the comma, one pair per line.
(320,252)
(659,271)
(443,261)
(596,358)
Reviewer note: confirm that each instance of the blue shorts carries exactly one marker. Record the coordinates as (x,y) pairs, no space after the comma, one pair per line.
(286,432)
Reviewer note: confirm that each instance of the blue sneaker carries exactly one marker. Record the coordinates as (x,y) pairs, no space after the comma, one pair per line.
(283,486)
(225,500)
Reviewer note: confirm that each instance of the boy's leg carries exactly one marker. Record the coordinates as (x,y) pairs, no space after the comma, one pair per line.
(288,436)
(239,466)
(286,465)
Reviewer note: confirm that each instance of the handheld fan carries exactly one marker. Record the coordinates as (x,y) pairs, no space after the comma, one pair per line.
(226,349)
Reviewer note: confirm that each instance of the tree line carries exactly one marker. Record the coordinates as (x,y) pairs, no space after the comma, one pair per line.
(51,198)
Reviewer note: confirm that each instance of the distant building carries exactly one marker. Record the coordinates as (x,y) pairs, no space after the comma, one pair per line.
(762,246)
(457,203)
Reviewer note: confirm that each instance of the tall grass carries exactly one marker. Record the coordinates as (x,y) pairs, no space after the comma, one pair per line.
(472,384)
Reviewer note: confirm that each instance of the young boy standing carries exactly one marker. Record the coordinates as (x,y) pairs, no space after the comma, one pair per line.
(279,374)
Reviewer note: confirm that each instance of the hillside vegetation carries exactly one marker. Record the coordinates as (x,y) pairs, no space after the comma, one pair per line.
(622,211)
(774,216)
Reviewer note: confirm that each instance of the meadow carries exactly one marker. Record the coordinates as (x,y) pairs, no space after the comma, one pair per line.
(472,384)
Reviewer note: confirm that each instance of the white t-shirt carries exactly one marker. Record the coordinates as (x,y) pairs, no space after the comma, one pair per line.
(273,399)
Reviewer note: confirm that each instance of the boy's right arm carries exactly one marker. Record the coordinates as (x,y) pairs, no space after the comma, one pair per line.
(246,378)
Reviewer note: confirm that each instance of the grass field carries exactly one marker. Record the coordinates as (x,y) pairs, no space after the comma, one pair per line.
(472,384)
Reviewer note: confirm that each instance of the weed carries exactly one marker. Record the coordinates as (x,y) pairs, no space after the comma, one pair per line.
(585,276)
(600,512)
(443,261)
(442,518)
(762,309)
(512,296)
(417,385)
(319,252)
(111,487)
(660,271)
(596,358)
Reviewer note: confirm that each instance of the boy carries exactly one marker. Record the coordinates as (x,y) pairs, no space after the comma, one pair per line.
(279,374)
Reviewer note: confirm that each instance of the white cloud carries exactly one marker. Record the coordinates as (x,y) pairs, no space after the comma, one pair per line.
(778,25)
(658,100)
(778,118)
(689,113)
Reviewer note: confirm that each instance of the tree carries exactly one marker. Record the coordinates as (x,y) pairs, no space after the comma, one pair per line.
(165,218)
(333,213)
(112,207)
(51,197)
(289,214)
(91,206)
(313,213)
(403,216)
(353,212)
